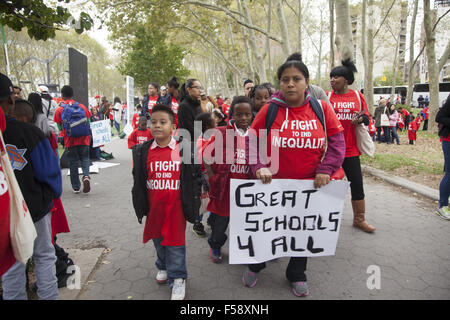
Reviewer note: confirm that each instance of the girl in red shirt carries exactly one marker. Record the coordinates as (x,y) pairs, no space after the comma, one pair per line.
(412,130)
(294,105)
(351,109)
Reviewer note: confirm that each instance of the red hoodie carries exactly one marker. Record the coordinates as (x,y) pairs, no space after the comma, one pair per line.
(219,192)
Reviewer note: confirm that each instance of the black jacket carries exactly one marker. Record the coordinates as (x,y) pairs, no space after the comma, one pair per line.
(35,165)
(443,118)
(187,111)
(144,111)
(190,182)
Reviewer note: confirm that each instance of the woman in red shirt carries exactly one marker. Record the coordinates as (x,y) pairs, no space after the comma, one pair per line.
(294,105)
(348,108)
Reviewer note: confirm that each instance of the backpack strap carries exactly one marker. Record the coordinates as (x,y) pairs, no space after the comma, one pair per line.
(271,114)
(318,110)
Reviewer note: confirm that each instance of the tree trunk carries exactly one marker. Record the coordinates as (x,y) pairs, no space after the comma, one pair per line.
(300,18)
(368,89)
(411,55)
(318,76)
(331,6)
(283,26)
(433,73)
(343,40)
(259,59)
(363,42)
(394,70)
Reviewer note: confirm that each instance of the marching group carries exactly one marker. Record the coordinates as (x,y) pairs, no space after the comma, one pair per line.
(170,188)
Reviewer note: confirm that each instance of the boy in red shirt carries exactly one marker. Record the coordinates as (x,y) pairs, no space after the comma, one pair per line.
(135,121)
(141,134)
(159,176)
(412,130)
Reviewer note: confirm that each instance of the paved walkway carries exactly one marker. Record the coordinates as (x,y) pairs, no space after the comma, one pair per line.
(411,246)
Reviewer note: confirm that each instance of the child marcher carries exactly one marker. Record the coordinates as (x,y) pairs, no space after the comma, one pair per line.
(208,122)
(159,174)
(222,172)
(412,129)
(141,134)
(135,121)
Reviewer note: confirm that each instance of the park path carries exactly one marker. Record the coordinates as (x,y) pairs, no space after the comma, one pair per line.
(411,246)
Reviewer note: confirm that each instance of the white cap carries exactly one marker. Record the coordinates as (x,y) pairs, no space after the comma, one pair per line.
(163,88)
(43,89)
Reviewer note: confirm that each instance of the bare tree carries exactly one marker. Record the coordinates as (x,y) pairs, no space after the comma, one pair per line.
(343,40)
(411,54)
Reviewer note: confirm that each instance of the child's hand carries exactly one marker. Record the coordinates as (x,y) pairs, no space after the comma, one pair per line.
(265,175)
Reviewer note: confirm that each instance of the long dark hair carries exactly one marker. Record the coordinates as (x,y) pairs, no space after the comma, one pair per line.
(36,100)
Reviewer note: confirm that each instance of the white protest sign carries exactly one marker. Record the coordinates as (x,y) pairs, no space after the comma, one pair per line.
(130,105)
(101,133)
(286,218)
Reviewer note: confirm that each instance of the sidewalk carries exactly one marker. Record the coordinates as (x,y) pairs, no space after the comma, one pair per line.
(404,183)
(410,246)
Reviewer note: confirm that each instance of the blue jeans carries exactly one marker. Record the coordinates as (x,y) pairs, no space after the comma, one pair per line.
(444,187)
(117,125)
(393,134)
(172,259)
(75,155)
(14,280)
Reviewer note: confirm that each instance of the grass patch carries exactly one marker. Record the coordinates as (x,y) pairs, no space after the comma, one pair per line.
(388,162)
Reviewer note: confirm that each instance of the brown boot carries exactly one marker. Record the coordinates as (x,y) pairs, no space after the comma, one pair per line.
(359,221)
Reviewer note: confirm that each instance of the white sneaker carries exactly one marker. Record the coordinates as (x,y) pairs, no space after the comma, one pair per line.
(161,277)
(444,213)
(178,289)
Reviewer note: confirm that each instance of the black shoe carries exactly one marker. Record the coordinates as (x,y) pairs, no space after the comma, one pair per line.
(199,230)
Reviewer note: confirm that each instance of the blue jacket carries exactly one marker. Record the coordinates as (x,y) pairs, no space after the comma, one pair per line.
(35,165)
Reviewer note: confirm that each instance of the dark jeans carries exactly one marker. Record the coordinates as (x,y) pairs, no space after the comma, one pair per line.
(172,259)
(444,187)
(352,168)
(386,134)
(219,226)
(75,155)
(295,270)
(393,134)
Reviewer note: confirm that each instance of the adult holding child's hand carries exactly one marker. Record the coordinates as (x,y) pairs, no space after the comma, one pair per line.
(300,129)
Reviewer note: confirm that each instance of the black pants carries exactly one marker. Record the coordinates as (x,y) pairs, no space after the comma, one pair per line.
(352,168)
(219,226)
(425,125)
(295,270)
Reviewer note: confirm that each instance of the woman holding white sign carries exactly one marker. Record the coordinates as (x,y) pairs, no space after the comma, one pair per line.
(310,144)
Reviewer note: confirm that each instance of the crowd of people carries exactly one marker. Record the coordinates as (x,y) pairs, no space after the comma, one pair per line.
(171,186)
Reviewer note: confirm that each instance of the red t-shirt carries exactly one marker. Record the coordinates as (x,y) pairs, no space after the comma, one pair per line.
(413,126)
(165,218)
(301,139)
(135,121)
(68,141)
(401,122)
(225,109)
(6,253)
(152,102)
(139,137)
(346,106)
(372,128)
(175,105)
